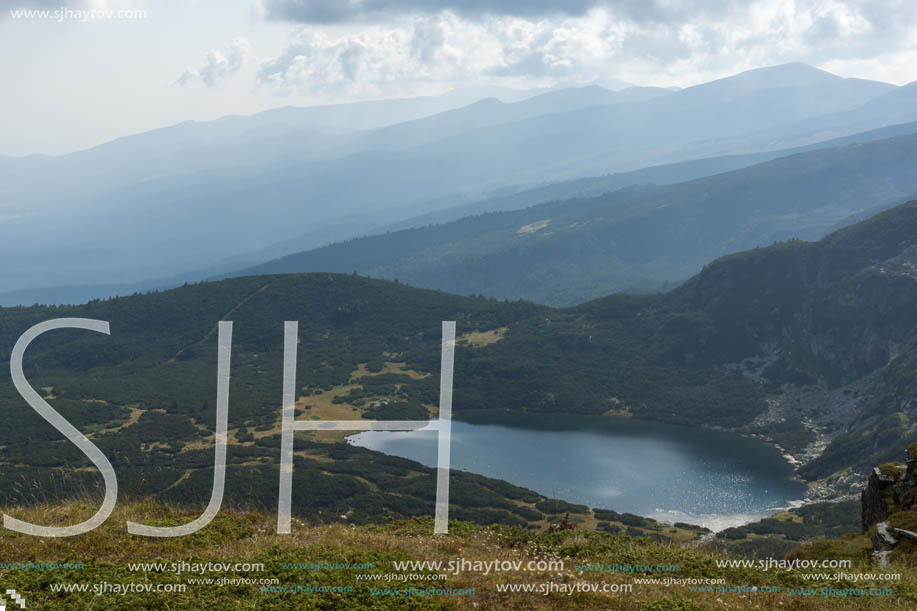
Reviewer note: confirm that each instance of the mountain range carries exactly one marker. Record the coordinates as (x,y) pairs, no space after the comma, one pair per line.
(637,238)
(220,196)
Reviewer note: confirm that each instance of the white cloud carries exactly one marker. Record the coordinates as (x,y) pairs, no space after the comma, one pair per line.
(667,43)
(218,65)
(336,11)
(448,49)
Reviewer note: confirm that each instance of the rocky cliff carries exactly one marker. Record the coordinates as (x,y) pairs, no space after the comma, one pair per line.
(889,506)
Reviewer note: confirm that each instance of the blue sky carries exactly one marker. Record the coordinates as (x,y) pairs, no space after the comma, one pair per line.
(72,83)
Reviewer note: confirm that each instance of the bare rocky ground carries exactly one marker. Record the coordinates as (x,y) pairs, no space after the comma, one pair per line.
(824,411)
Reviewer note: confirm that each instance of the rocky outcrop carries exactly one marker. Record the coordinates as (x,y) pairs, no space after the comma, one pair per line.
(892,487)
(874,499)
(888,503)
(905,486)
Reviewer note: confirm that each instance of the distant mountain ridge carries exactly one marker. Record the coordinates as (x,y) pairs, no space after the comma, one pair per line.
(137,208)
(634,239)
(655,175)
(580,188)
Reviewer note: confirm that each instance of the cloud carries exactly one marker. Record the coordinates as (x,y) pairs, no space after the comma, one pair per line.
(833,15)
(443,49)
(335,11)
(218,66)
(314,62)
(672,43)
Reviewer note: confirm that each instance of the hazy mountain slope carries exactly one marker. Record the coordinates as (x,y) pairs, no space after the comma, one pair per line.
(708,119)
(366,225)
(657,175)
(565,252)
(229,141)
(273,184)
(491,111)
(895,106)
(145,152)
(186,165)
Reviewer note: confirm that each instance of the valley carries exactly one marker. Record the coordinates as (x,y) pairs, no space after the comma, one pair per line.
(344,306)
(751,345)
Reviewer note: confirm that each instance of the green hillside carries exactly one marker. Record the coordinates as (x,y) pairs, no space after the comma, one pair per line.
(146,394)
(805,344)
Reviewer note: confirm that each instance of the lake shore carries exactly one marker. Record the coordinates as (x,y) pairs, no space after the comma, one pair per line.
(682,474)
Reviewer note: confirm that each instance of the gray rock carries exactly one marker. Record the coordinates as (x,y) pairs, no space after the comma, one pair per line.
(873,506)
(883,539)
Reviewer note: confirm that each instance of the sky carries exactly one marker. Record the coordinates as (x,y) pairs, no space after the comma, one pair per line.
(71,81)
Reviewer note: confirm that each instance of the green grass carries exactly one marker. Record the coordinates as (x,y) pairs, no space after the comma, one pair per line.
(249,537)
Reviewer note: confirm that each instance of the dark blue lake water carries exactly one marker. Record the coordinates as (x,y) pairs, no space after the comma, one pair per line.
(666,472)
